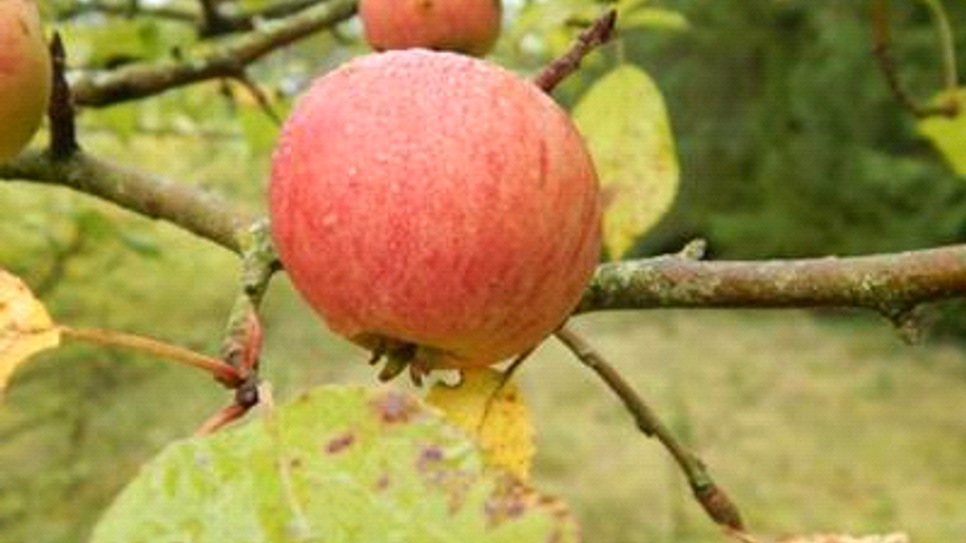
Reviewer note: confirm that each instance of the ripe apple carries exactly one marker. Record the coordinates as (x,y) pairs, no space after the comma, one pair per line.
(435,208)
(25,75)
(464,26)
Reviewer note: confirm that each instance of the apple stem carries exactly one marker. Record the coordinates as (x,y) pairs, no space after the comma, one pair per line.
(711,496)
(598,33)
(223,372)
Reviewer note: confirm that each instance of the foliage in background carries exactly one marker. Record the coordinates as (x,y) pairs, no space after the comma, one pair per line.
(790,141)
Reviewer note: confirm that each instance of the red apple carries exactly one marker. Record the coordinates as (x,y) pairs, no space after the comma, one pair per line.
(25,75)
(464,26)
(434,207)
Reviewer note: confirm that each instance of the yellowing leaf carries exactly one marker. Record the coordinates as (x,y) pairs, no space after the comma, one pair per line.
(623,118)
(336,464)
(498,419)
(949,134)
(25,326)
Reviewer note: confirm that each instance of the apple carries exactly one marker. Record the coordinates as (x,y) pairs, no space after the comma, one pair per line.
(25,75)
(464,26)
(435,208)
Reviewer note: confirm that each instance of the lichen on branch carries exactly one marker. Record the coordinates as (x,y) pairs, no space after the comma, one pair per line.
(889,283)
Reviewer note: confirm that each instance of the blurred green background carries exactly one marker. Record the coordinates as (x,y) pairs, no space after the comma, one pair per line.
(790,145)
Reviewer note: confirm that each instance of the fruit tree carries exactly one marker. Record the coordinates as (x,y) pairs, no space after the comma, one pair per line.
(445,184)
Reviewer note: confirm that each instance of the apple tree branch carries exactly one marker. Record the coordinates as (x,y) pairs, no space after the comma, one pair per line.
(890,284)
(210,19)
(144,79)
(192,209)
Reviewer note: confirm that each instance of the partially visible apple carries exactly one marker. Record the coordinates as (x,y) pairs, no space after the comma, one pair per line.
(434,207)
(464,26)
(25,75)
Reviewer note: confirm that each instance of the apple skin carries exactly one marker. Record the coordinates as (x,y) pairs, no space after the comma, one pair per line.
(435,205)
(464,26)
(25,75)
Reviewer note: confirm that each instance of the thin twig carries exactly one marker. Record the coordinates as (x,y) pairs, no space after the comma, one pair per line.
(222,418)
(223,372)
(881,43)
(260,97)
(711,497)
(947,44)
(597,34)
(243,334)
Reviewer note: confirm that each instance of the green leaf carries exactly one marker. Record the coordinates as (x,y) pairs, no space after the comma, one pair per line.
(339,464)
(949,134)
(142,244)
(623,118)
(653,18)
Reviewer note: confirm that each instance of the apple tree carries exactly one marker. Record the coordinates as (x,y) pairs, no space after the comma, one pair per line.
(439,213)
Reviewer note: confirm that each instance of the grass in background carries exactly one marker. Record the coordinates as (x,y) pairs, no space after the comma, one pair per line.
(811,426)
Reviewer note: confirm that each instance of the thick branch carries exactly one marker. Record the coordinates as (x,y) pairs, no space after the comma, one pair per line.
(140,80)
(194,210)
(889,283)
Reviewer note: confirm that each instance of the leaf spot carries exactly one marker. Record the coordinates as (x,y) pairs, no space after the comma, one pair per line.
(340,443)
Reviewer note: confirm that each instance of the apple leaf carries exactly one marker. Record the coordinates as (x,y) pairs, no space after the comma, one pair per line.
(623,118)
(494,415)
(654,18)
(336,464)
(25,326)
(948,134)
